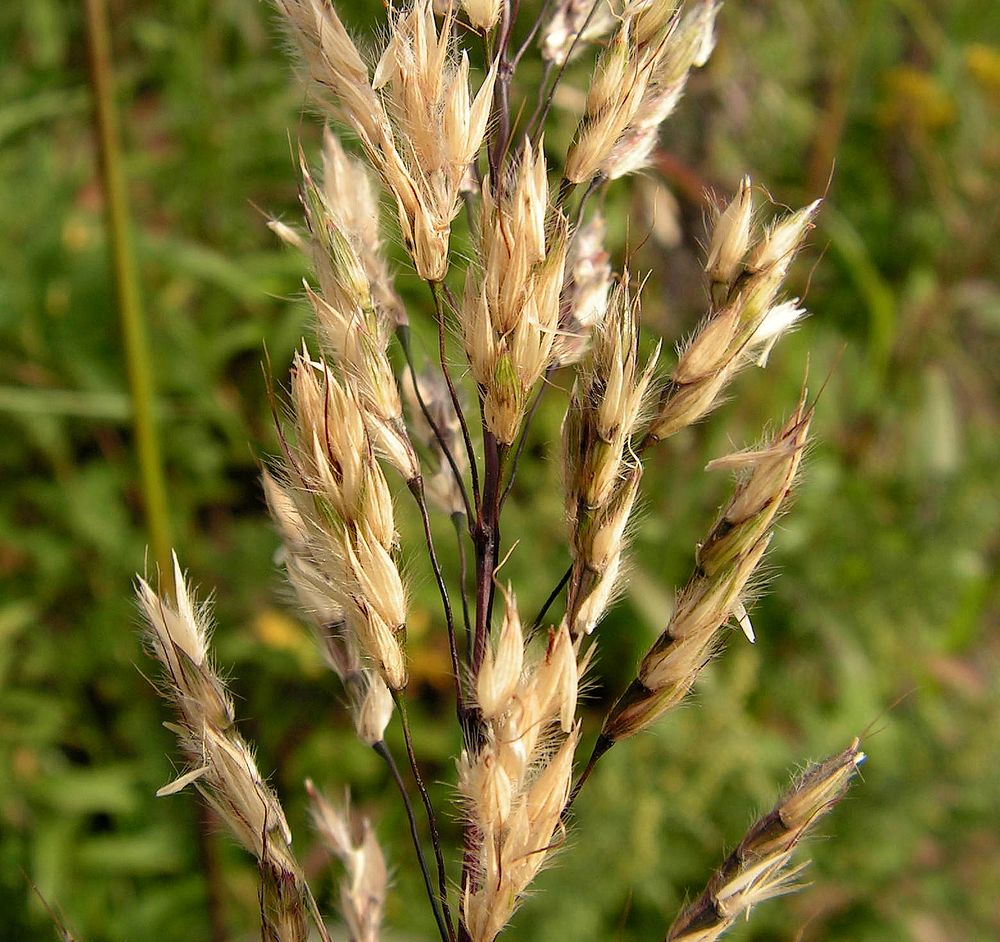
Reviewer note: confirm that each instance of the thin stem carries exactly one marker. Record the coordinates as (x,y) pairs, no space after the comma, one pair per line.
(540,102)
(417,489)
(501,91)
(126,277)
(487,541)
(429,809)
(445,930)
(541,18)
(553,595)
(600,748)
(403,335)
(463,576)
(596,182)
(453,392)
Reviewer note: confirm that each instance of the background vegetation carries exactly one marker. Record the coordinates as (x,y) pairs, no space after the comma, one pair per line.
(885,615)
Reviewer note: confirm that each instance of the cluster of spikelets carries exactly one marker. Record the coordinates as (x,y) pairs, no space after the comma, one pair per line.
(539,295)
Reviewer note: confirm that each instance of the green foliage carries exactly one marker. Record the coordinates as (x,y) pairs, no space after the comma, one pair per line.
(885,613)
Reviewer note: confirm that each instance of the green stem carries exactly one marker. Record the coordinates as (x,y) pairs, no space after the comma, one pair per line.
(126,278)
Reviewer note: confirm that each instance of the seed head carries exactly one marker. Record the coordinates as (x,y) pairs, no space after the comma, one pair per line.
(731,238)
(757,869)
(483,14)
(500,674)
(352,839)
(570,19)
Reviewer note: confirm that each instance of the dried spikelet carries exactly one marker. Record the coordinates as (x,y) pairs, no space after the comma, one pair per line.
(617,89)
(726,560)
(745,321)
(731,239)
(354,326)
(515,786)
(439,129)
(344,509)
(681,44)
(220,764)
(418,122)
(601,477)
(510,312)
(500,673)
(353,203)
(571,18)
(757,869)
(516,850)
(441,486)
(584,300)
(352,840)
(337,67)
(483,14)
(369,700)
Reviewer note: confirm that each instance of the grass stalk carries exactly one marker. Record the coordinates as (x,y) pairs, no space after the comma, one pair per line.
(126,278)
(138,362)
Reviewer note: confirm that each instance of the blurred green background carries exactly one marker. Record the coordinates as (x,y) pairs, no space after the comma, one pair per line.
(885,611)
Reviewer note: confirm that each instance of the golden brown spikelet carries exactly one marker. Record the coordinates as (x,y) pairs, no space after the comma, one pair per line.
(758,868)
(745,321)
(220,764)
(351,839)
(725,562)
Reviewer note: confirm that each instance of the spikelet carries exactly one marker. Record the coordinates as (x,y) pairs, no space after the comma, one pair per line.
(584,300)
(342,501)
(415,115)
(516,785)
(726,560)
(352,840)
(483,14)
(510,313)
(353,202)
(681,43)
(621,77)
(757,869)
(745,321)
(220,764)
(600,473)
(369,700)
(569,20)
(351,310)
